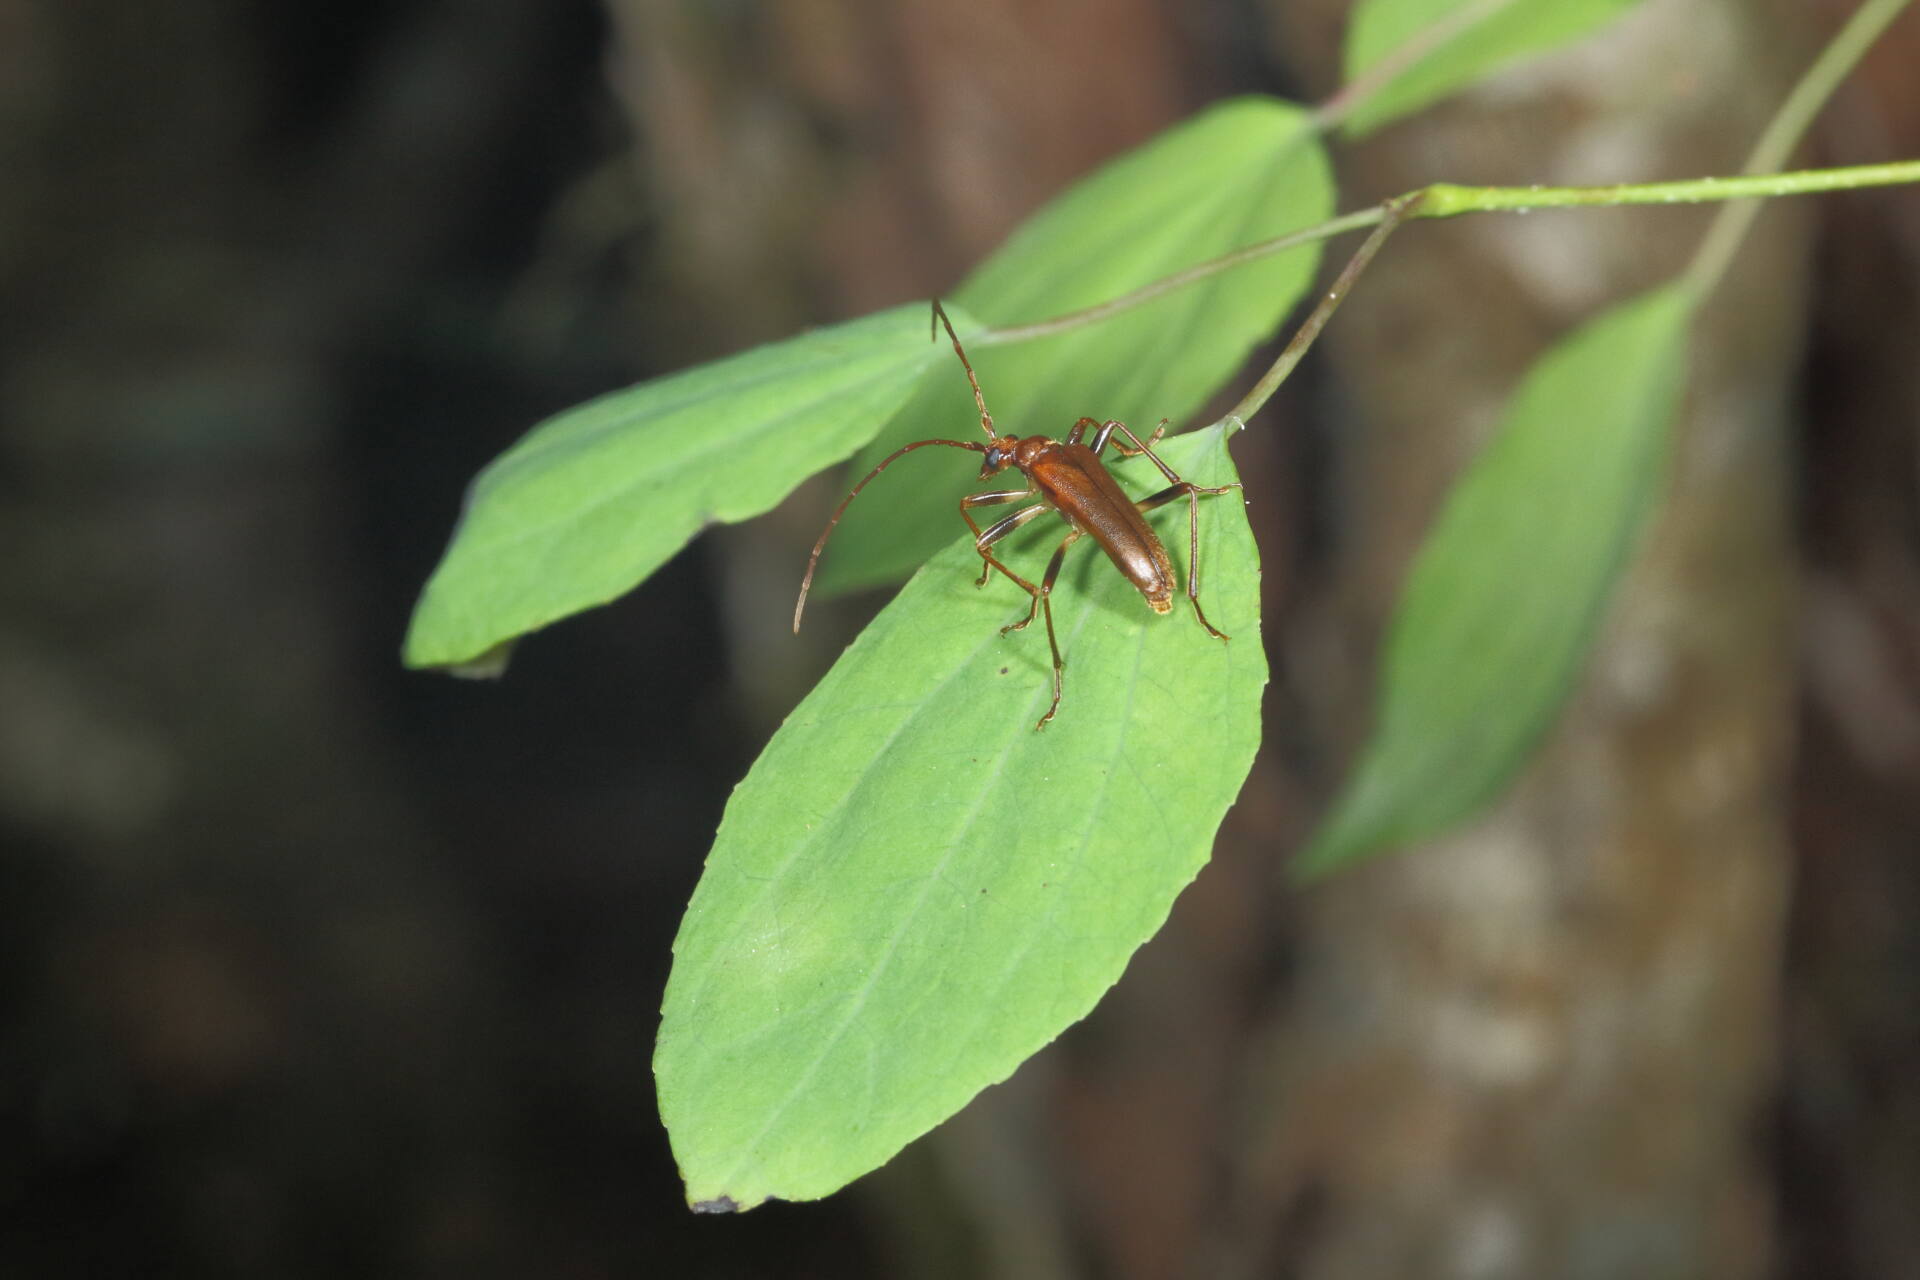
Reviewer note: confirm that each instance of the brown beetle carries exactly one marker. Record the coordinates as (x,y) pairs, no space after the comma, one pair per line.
(1068,477)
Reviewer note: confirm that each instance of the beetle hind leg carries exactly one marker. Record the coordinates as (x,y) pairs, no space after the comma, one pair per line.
(1193,493)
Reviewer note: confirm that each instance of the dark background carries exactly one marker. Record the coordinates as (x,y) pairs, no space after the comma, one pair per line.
(313,966)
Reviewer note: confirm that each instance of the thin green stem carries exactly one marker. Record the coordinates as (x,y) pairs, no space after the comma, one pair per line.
(1179,280)
(1445,200)
(1393,213)
(1783,134)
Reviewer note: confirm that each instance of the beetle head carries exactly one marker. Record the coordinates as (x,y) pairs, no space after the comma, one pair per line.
(1001,454)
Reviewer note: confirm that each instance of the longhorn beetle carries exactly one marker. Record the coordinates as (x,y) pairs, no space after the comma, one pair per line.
(1068,477)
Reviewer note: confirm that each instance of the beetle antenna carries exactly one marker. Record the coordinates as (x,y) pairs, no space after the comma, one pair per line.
(813,560)
(986,419)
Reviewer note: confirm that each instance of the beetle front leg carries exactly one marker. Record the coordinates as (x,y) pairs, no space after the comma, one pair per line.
(985,538)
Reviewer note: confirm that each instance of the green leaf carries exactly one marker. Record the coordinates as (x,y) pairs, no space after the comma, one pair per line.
(591,501)
(1242,172)
(1443,45)
(1504,600)
(914,890)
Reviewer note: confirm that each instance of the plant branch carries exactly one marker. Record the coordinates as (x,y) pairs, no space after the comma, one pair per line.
(1784,132)
(1445,200)
(1392,214)
(1179,280)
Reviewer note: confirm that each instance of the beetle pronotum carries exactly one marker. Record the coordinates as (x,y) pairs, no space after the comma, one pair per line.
(1068,477)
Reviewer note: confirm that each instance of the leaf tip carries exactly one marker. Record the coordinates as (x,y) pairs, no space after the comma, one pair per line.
(488,664)
(718,1204)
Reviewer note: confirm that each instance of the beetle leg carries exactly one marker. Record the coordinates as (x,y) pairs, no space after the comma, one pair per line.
(1193,493)
(982,539)
(1046,583)
(1139,446)
(1002,528)
(1045,601)
(1080,429)
(1108,428)
(1040,597)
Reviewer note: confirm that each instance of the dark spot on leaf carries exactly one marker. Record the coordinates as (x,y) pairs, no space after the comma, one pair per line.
(1003,671)
(719,1204)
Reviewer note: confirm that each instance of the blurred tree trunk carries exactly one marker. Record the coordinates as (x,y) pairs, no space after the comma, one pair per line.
(1850,1123)
(1541,1045)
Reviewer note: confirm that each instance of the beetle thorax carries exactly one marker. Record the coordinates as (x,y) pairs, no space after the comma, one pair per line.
(1012,451)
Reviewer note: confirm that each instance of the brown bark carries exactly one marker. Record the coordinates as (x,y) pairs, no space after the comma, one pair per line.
(1541,1045)
(1850,1125)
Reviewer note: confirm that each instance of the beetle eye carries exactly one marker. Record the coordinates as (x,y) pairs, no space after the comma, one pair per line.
(994,460)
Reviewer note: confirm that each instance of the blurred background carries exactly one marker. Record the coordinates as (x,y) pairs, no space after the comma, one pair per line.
(312,966)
